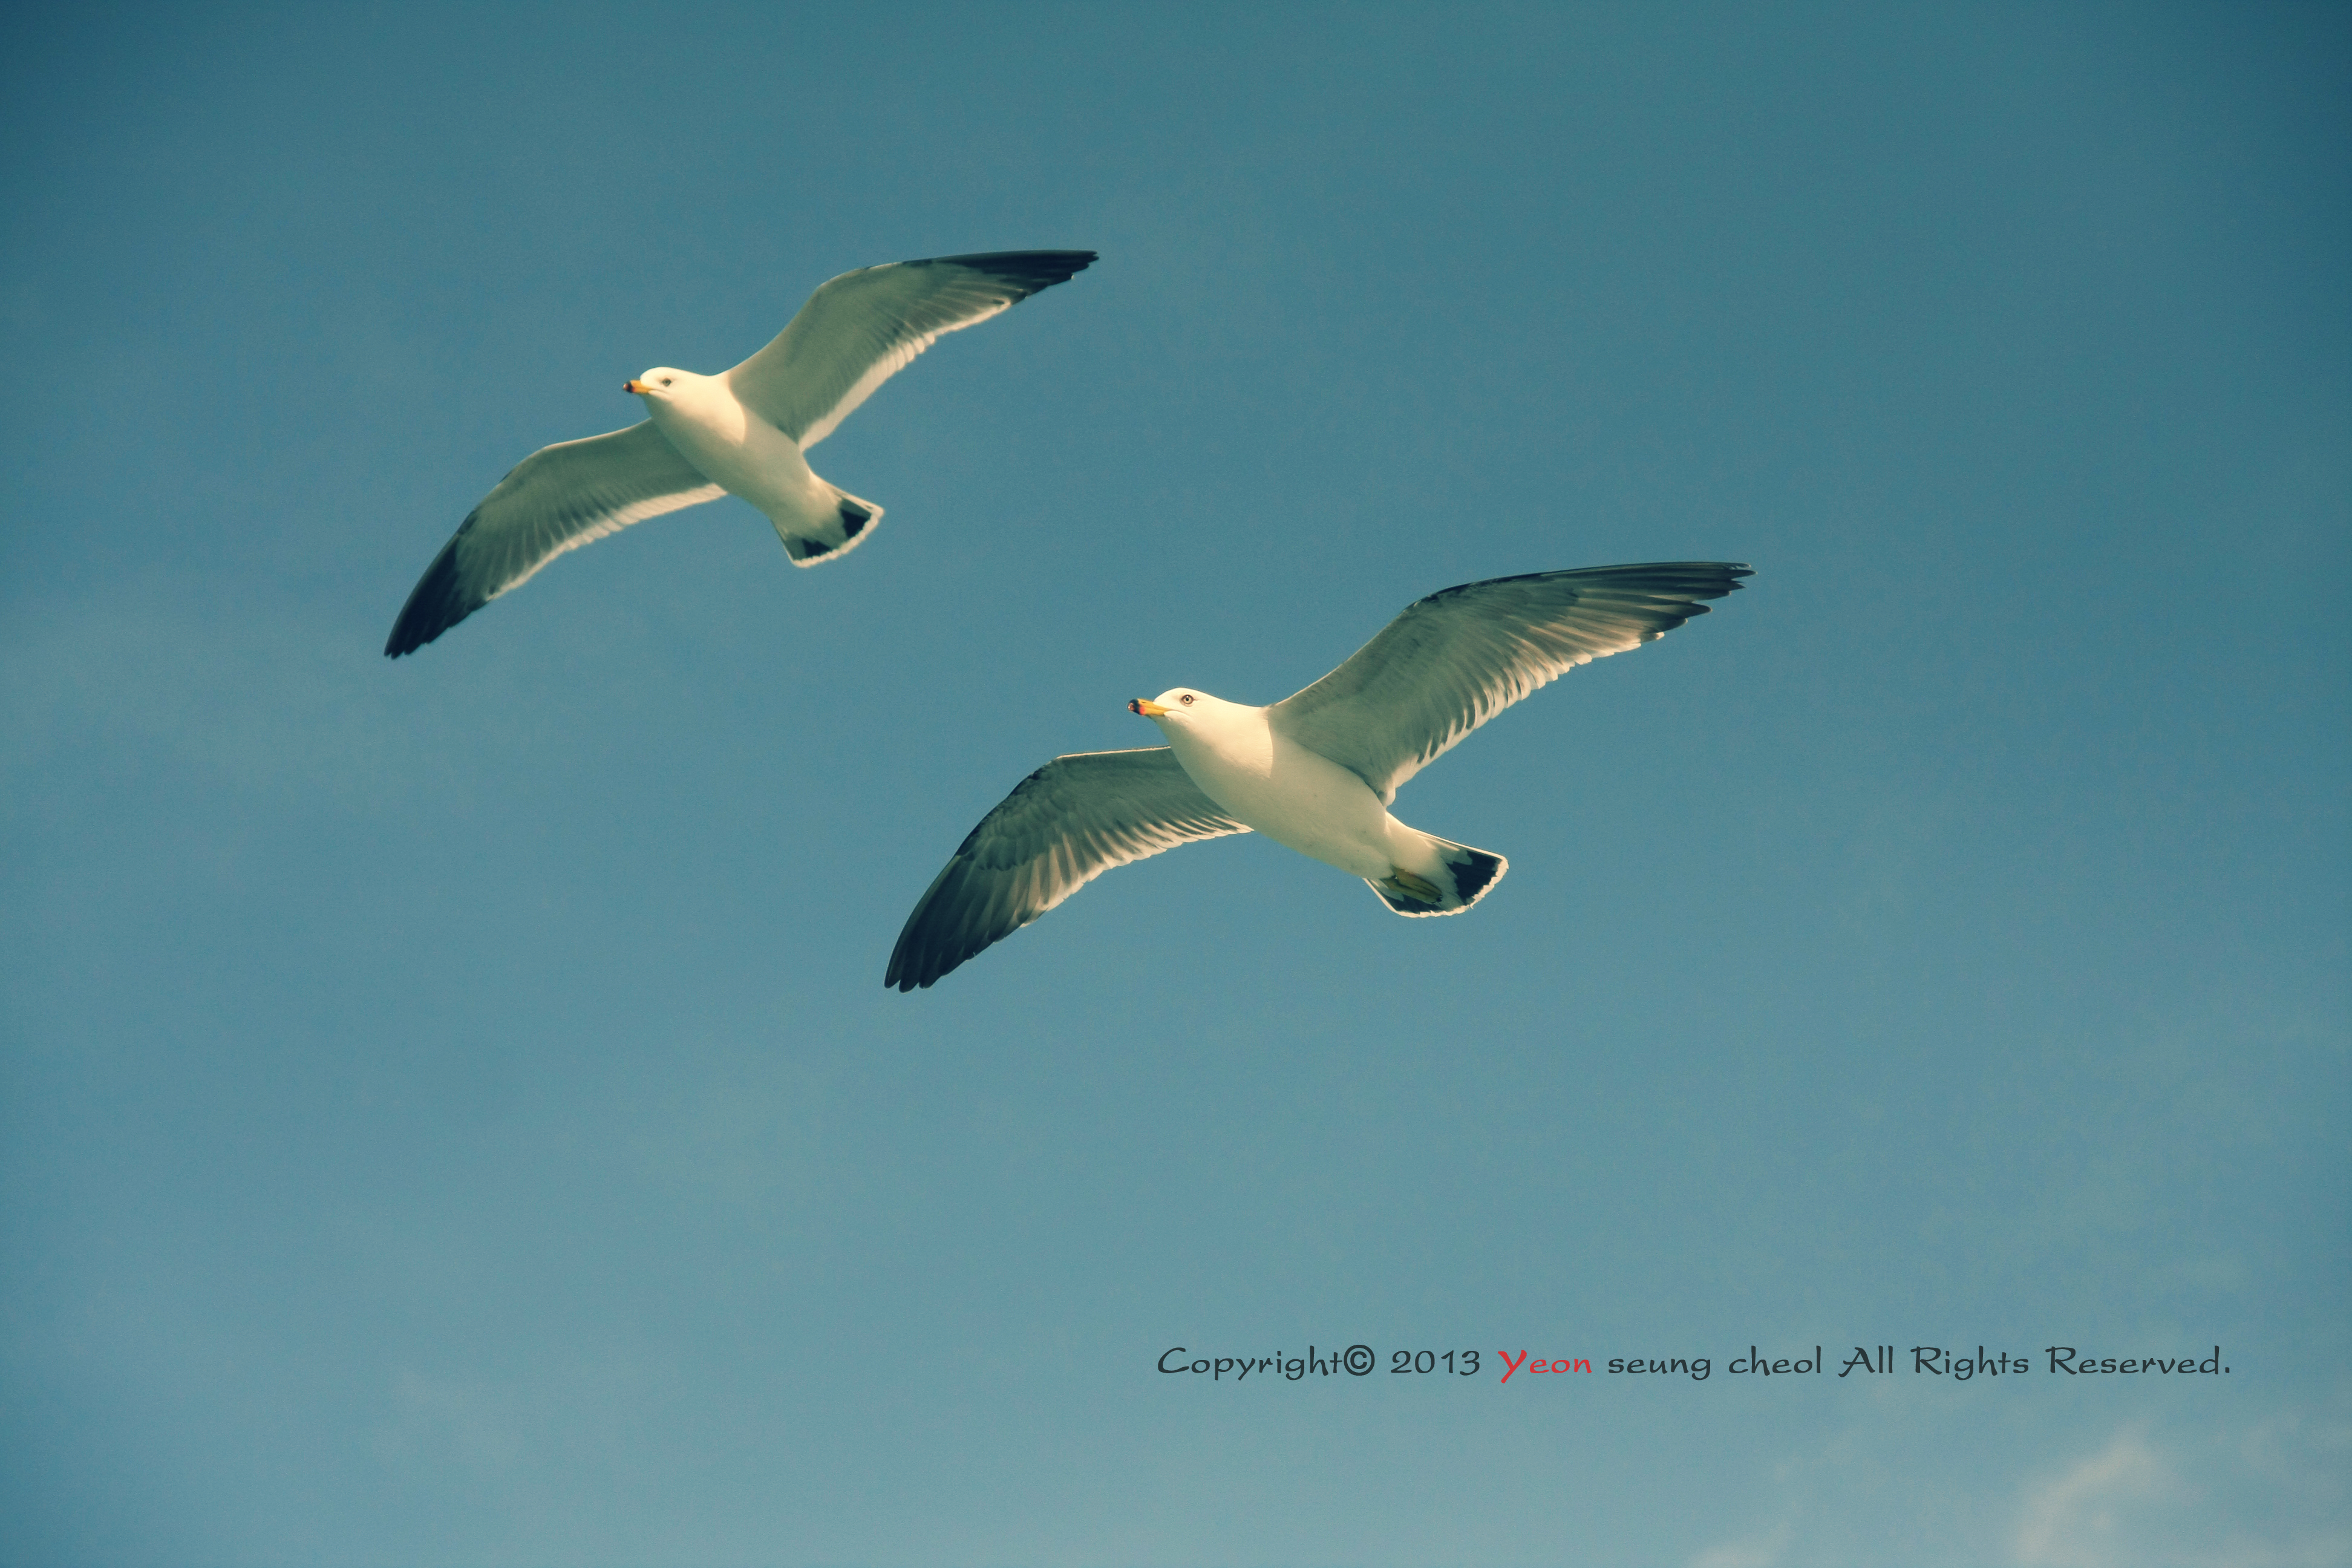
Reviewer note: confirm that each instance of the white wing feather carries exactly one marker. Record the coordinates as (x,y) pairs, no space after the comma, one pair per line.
(1456,658)
(862,328)
(558,499)
(1060,828)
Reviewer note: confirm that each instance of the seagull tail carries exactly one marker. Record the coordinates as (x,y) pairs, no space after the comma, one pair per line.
(851,524)
(1463,875)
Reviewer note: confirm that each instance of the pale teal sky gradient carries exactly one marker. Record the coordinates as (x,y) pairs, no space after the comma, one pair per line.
(451,1113)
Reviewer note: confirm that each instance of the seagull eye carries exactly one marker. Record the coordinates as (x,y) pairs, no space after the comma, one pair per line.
(1186,699)
(667,380)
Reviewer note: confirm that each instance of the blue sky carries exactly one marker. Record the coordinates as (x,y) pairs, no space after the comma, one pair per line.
(452,1113)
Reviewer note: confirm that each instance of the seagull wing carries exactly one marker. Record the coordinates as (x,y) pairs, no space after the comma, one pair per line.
(558,499)
(1060,828)
(1456,659)
(864,327)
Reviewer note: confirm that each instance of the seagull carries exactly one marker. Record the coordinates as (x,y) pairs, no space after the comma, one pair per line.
(745,433)
(1316,772)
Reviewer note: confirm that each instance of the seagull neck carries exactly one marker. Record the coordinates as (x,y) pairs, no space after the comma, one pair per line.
(1229,739)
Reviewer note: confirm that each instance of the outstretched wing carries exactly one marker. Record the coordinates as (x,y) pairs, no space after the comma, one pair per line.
(864,327)
(558,499)
(1061,827)
(1456,659)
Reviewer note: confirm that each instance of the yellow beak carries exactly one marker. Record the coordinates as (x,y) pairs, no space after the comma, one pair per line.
(634,387)
(1146,706)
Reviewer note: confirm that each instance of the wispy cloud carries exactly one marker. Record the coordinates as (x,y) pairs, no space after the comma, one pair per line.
(2270,1496)
(2087,1517)
(1759,1550)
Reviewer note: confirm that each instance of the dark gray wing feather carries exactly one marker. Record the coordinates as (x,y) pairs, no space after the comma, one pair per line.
(1061,827)
(1456,658)
(862,328)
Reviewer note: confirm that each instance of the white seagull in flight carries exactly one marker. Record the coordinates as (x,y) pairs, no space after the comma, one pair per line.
(1315,772)
(743,433)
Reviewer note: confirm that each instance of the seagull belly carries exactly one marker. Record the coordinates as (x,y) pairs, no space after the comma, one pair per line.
(1296,798)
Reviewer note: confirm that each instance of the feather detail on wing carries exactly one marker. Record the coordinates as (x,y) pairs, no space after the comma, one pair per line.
(864,327)
(1060,828)
(558,499)
(1456,658)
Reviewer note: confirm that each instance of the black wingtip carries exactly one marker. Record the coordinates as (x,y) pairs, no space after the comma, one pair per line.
(932,945)
(920,960)
(438,602)
(907,972)
(1027,271)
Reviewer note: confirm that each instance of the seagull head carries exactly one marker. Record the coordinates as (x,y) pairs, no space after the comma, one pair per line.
(1177,702)
(659,382)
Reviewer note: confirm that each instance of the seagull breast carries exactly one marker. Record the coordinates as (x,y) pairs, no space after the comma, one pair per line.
(1295,796)
(713,430)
